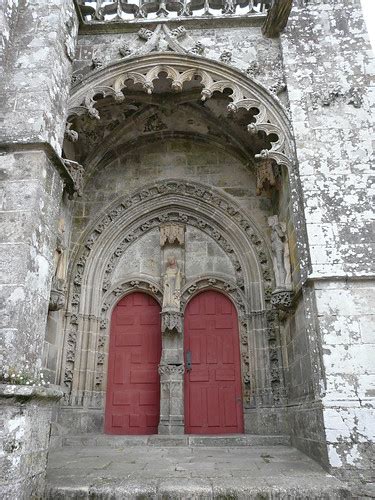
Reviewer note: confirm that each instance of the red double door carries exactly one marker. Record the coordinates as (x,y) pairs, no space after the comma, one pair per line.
(212,383)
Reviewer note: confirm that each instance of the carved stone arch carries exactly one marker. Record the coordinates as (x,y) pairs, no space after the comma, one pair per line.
(180,68)
(223,285)
(120,225)
(182,195)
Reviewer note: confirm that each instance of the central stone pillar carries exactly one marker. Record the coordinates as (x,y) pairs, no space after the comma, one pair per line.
(171,368)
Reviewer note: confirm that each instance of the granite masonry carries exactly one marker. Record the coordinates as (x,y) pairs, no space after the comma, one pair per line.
(170,150)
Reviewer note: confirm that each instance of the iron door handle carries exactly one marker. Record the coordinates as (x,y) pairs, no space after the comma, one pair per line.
(188,361)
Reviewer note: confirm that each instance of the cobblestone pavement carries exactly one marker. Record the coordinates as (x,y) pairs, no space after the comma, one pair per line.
(186,472)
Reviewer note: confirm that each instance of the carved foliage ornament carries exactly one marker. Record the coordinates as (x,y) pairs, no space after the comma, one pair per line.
(84,101)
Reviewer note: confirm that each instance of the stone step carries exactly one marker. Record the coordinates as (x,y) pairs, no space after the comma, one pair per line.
(197,472)
(184,440)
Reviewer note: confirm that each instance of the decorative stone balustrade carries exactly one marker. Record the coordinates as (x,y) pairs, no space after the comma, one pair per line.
(122,10)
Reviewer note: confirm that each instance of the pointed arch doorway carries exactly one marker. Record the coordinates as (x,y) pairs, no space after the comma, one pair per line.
(133,387)
(213,394)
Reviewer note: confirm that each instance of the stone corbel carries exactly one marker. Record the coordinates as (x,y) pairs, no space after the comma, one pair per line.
(172,322)
(172,233)
(57,296)
(282,296)
(76,172)
(282,299)
(265,175)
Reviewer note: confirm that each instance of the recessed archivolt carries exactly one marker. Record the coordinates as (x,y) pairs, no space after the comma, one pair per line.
(180,69)
(124,222)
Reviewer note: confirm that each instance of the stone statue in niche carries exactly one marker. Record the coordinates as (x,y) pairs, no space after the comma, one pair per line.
(57,296)
(172,285)
(280,251)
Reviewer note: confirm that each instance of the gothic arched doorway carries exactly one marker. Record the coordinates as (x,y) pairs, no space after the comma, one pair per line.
(133,391)
(213,400)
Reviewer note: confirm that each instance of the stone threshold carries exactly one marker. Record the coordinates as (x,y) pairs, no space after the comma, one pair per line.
(175,440)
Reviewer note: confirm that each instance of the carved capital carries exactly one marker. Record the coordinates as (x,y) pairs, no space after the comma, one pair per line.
(57,296)
(171,369)
(282,299)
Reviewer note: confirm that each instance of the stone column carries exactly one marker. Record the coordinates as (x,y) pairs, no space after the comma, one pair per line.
(171,369)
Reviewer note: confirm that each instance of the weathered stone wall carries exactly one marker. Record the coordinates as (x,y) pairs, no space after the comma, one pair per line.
(37,73)
(329,70)
(38,46)
(8,15)
(24,438)
(171,159)
(31,193)
(35,90)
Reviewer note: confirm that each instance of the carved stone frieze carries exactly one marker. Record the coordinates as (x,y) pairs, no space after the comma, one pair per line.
(96,63)
(355,97)
(198,49)
(145,33)
(70,134)
(76,78)
(278,87)
(336,94)
(154,124)
(155,10)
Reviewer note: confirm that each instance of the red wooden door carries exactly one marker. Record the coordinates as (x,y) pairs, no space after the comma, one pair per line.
(133,387)
(213,402)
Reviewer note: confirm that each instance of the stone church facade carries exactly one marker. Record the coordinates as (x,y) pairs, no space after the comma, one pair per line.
(155,152)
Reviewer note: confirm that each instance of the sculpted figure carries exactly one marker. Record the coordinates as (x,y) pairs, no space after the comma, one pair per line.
(172,284)
(280,252)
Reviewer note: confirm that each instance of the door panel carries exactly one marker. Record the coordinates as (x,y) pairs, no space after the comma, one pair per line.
(213,402)
(133,387)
